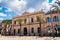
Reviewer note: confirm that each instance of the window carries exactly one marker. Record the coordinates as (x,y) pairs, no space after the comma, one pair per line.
(55,18)
(18,30)
(14,22)
(14,31)
(25,20)
(38,30)
(38,19)
(48,19)
(32,30)
(32,20)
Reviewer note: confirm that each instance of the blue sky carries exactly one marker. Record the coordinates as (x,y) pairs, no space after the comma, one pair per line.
(50,1)
(11,8)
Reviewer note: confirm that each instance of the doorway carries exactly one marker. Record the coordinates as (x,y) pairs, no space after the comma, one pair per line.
(25,31)
(14,32)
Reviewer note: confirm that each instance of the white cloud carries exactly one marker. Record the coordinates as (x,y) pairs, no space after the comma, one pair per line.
(16,5)
(8,10)
(0,0)
(19,6)
(46,5)
(1,18)
(2,14)
(31,10)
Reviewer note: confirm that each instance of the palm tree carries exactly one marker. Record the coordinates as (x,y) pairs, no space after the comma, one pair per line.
(58,2)
(41,21)
(56,8)
(20,23)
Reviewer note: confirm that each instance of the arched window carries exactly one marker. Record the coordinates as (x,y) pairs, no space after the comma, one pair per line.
(48,19)
(55,18)
(38,30)
(38,19)
(32,20)
(25,20)
(32,30)
(14,22)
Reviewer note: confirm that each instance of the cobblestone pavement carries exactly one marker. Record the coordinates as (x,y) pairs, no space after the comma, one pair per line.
(27,38)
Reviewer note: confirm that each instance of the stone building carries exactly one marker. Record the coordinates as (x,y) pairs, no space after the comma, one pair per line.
(30,26)
(0,28)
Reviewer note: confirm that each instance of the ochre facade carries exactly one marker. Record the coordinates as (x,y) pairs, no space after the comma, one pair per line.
(31,25)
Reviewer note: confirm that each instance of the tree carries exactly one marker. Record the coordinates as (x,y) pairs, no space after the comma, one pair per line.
(20,23)
(6,22)
(58,2)
(56,6)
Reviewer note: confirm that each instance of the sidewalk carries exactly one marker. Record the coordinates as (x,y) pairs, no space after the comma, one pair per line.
(27,38)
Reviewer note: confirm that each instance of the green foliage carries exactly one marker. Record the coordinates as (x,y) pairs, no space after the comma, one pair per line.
(20,20)
(7,21)
(38,20)
(41,20)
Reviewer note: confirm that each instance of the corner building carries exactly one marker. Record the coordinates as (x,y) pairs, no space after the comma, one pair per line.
(30,26)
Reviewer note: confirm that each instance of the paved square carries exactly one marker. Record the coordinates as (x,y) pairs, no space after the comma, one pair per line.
(27,38)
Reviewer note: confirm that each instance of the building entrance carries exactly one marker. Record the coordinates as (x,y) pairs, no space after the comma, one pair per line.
(25,31)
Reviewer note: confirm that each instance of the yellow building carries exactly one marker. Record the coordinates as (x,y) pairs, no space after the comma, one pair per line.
(31,23)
